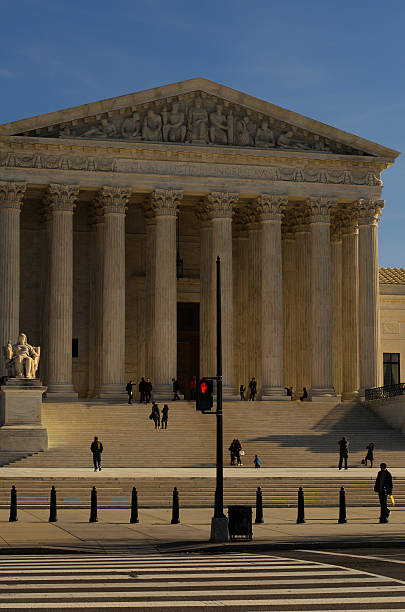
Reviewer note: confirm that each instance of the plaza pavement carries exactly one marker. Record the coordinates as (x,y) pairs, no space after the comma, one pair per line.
(113,531)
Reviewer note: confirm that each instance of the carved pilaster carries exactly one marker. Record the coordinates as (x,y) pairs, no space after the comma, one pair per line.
(61,202)
(113,203)
(11,196)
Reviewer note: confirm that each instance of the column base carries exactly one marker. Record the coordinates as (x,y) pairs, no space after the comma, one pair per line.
(61,392)
(323,395)
(229,394)
(112,391)
(274,394)
(350,396)
(162,392)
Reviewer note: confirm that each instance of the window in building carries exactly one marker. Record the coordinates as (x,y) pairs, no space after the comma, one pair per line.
(75,347)
(391,369)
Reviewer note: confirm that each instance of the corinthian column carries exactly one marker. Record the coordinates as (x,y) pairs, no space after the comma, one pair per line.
(289,266)
(336,280)
(96,302)
(321,299)
(11,195)
(270,209)
(219,210)
(112,202)
(350,306)
(368,214)
(164,204)
(254,307)
(61,203)
(303,309)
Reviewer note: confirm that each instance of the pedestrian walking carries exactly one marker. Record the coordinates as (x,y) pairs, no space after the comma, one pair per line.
(148,390)
(142,390)
(155,415)
(193,387)
(232,451)
(383,486)
(176,389)
(129,391)
(237,449)
(256,461)
(96,448)
(242,390)
(165,416)
(304,395)
(343,452)
(253,389)
(370,454)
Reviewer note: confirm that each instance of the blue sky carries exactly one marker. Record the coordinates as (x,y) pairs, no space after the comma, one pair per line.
(342,63)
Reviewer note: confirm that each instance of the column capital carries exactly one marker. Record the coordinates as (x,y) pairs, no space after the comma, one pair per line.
(319,209)
(11,194)
(348,221)
(113,200)
(271,207)
(220,204)
(369,211)
(62,198)
(165,202)
(251,219)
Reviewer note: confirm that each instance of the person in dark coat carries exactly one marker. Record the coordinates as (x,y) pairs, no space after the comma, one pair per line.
(142,390)
(176,389)
(129,391)
(232,451)
(242,390)
(96,448)
(165,416)
(237,447)
(343,452)
(370,454)
(304,395)
(148,390)
(155,414)
(383,486)
(253,389)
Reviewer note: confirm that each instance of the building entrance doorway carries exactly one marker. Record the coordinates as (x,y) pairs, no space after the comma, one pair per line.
(188,344)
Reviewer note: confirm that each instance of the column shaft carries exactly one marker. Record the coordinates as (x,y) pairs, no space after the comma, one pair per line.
(112,201)
(11,195)
(303,245)
(368,293)
(96,307)
(149,293)
(321,301)
(350,314)
(254,307)
(207,306)
(336,275)
(289,265)
(61,199)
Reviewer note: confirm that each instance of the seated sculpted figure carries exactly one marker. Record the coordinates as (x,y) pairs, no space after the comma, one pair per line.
(174,128)
(152,126)
(21,359)
(264,136)
(131,127)
(219,127)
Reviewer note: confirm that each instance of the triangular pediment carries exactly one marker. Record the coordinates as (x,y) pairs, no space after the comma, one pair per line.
(195,112)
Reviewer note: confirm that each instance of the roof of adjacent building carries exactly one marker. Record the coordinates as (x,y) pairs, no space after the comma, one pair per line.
(392,276)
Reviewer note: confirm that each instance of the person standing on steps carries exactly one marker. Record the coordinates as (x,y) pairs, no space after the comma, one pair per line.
(343,452)
(242,390)
(383,486)
(148,390)
(96,448)
(165,416)
(253,389)
(176,389)
(256,461)
(370,454)
(238,451)
(129,391)
(142,390)
(155,415)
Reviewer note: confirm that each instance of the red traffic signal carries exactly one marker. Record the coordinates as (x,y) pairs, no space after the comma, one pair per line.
(204,399)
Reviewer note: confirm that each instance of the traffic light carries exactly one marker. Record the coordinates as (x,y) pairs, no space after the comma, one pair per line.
(204,400)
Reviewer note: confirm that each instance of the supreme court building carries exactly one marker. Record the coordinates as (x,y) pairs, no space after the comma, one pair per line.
(113,213)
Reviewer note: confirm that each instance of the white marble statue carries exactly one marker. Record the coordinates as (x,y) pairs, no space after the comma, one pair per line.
(21,359)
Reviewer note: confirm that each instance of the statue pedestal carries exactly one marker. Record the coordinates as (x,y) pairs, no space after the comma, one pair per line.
(21,416)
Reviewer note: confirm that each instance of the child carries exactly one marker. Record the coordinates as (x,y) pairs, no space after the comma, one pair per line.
(256,461)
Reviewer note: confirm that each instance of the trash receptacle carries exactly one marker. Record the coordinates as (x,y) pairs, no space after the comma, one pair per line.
(240,522)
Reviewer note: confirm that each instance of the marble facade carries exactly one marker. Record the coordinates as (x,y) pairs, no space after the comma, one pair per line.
(90,202)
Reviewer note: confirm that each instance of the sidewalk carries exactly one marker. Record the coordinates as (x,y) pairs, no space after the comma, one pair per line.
(154,531)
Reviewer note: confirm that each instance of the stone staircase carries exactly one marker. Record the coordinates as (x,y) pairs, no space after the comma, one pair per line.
(284,434)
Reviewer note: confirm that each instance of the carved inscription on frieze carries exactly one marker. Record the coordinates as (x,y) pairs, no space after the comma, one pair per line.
(195,118)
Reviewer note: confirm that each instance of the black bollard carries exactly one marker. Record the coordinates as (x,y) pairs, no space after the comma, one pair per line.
(301,509)
(134,507)
(259,506)
(175,511)
(342,506)
(13,505)
(93,507)
(52,507)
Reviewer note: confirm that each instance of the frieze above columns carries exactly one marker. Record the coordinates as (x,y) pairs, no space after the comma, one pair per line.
(369,211)
(62,198)
(11,194)
(165,202)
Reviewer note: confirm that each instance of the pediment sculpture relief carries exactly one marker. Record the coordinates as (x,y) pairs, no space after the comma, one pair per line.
(195,119)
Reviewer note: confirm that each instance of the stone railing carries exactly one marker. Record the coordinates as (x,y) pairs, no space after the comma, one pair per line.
(377,393)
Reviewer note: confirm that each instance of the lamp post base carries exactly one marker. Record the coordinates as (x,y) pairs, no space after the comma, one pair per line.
(219,529)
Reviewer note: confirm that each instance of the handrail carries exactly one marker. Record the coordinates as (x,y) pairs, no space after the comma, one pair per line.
(386,392)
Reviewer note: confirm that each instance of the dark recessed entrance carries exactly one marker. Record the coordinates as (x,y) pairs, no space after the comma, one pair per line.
(188,344)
